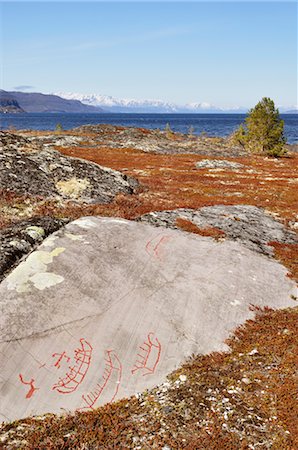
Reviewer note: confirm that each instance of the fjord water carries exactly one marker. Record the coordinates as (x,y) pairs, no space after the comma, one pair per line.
(212,124)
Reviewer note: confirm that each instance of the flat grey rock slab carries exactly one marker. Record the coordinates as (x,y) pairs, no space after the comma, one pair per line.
(106,308)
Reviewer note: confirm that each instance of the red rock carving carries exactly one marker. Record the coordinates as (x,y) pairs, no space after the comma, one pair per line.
(60,357)
(153,247)
(77,373)
(113,365)
(31,384)
(149,356)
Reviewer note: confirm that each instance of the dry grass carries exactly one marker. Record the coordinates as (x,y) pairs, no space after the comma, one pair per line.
(189,226)
(173,181)
(288,256)
(14,207)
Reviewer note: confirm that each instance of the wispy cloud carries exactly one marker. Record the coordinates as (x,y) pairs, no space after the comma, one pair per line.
(134,39)
(23,87)
(55,54)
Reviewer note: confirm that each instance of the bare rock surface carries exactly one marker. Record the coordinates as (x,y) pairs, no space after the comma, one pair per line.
(11,141)
(218,164)
(35,170)
(106,308)
(157,141)
(247,224)
(50,140)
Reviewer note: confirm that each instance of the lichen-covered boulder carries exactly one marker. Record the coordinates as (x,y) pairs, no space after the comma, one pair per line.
(31,169)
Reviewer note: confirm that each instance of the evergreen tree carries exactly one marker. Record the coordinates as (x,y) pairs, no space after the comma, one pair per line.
(239,136)
(191,131)
(264,130)
(168,128)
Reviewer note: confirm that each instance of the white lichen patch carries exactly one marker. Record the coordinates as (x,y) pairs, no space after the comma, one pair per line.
(65,141)
(111,219)
(33,272)
(85,222)
(235,302)
(75,237)
(45,280)
(50,241)
(72,188)
(36,233)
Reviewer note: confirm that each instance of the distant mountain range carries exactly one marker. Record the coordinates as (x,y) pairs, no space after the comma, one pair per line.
(122,105)
(33,102)
(112,104)
(70,102)
(292,111)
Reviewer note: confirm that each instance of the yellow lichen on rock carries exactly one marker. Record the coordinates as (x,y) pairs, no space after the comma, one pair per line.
(72,188)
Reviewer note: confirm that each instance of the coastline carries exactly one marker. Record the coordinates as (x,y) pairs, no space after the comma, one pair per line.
(220,125)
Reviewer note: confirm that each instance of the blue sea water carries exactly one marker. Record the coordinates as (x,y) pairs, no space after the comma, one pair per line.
(212,124)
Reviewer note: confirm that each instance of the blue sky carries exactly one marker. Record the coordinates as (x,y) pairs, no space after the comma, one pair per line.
(224,53)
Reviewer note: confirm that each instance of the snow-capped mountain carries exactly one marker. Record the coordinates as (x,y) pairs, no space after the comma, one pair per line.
(112,104)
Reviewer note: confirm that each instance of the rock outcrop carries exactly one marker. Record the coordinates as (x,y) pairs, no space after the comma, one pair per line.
(218,164)
(8,104)
(157,141)
(247,224)
(31,169)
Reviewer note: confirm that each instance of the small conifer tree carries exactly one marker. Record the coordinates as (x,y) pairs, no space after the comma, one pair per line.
(263,131)
(191,131)
(239,135)
(168,131)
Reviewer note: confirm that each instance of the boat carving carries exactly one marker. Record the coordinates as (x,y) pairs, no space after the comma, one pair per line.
(113,366)
(77,372)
